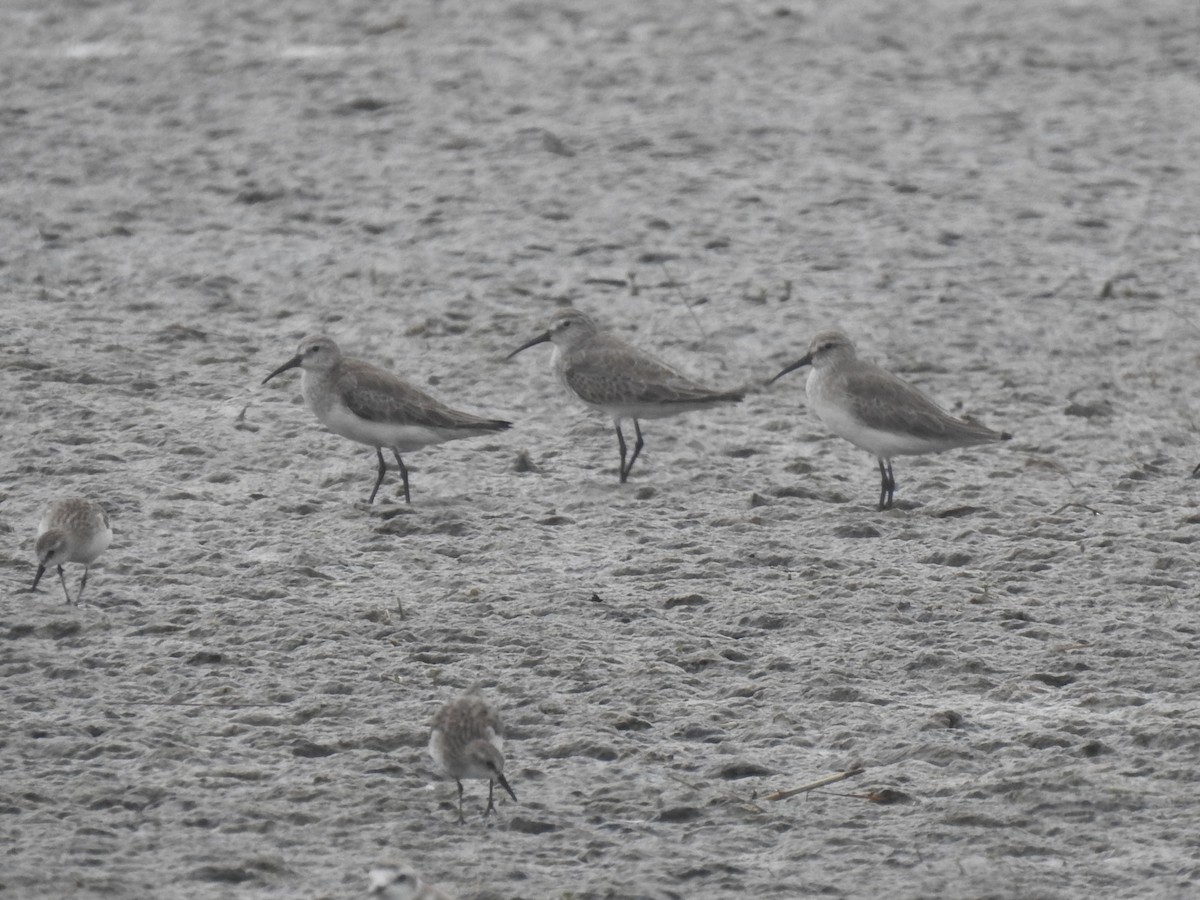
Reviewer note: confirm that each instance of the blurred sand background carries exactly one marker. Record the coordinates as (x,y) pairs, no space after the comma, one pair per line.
(997,201)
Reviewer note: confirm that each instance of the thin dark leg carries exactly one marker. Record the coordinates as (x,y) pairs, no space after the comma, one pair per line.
(887,486)
(379,477)
(491,799)
(1196,471)
(63,579)
(461,820)
(623,472)
(403,474)
(82,585)
(637,447)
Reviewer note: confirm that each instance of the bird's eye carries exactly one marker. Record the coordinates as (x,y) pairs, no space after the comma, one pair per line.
(400,878)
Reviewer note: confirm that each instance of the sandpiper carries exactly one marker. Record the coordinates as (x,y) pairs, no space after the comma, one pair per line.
(619,380)
(366,404)
(467,742)
(73,530)
(877,411)
(399,881)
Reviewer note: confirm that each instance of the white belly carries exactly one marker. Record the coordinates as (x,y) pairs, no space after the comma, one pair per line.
(89,551)
(884,444)
(833,409)
(340,420)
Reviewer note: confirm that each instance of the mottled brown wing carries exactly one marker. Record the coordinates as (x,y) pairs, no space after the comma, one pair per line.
(379,396)
(461,719)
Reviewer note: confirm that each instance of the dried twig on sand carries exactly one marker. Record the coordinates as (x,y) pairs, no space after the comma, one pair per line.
(671,282)
(813,785)
(1066,506)
(730,796)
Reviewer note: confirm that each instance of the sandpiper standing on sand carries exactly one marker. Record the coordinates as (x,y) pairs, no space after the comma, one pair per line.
(399,881)
(366,404)
(619,380)
(467,742)
(74,530)
(873,409)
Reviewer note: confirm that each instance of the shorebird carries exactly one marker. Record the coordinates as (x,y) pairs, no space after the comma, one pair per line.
(400,881)
(619,380)
(74,530)
(877,411)
(366,404)
(467,742)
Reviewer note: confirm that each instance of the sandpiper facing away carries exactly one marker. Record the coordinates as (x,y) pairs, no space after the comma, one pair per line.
(467,742)
(619,380)
(873,409)
(366,404)
(399,881)
(74,530)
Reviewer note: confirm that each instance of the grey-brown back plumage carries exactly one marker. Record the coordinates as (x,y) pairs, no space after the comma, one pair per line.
(379,396)
(886,402)
(608,372)
(457,728)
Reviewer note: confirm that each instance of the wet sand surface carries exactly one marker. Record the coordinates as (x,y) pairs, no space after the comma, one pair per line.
(998,202)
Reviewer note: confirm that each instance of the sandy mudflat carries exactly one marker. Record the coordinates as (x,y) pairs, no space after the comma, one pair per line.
(998,201)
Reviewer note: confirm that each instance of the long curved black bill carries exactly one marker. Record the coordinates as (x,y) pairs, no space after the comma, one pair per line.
(800,363)
(504,784)
(38,577)
(290,364)
(540,339)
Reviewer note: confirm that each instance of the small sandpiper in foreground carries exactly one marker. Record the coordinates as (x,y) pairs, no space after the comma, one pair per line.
(74,530)
(467,742)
